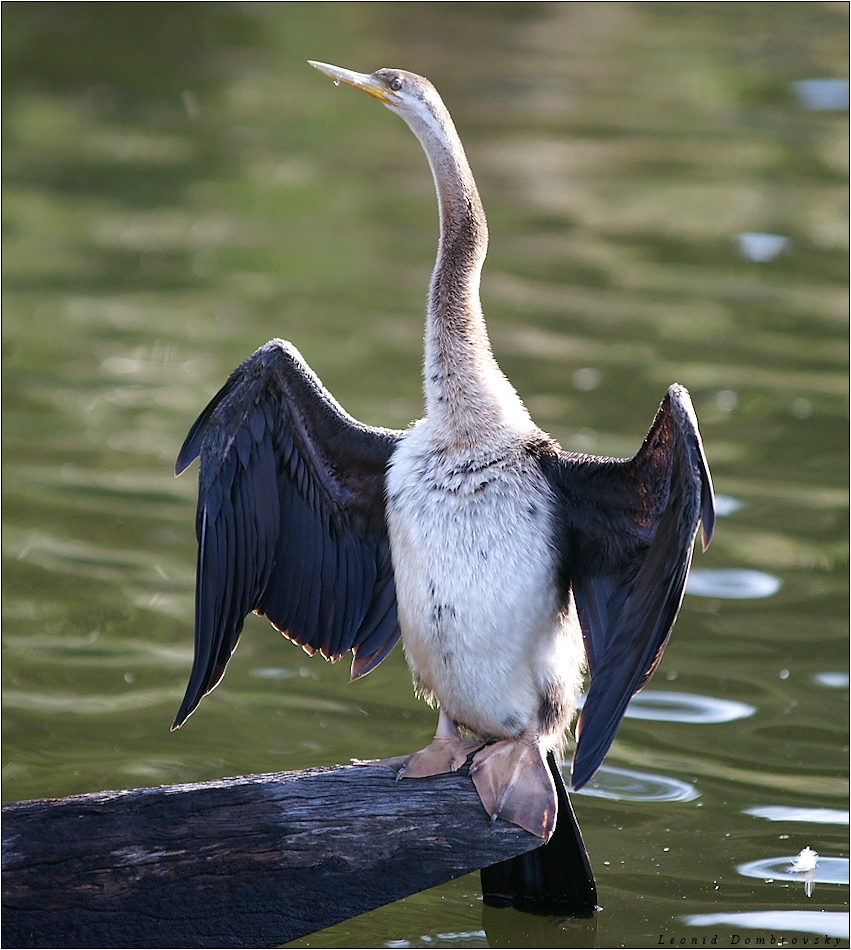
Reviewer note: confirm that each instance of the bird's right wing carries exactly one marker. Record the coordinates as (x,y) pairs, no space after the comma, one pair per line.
(290,520)
(629,531)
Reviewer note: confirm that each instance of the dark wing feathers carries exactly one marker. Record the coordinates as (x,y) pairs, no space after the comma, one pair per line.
(290,520)
(629,528)
(379,626)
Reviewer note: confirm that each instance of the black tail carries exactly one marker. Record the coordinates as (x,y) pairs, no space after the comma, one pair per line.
(555,879)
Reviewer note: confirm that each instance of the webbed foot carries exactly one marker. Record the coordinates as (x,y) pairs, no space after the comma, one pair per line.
(443,755)
(514,784)
(446,753)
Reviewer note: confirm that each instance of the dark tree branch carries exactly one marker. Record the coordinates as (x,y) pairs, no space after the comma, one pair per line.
(245,862)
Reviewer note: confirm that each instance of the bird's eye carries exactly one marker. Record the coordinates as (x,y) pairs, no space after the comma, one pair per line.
(395,84)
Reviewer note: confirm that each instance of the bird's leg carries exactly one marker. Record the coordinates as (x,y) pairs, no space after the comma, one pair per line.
(447,753)
(514,783)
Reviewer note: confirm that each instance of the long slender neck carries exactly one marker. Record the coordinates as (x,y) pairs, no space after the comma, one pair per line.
(466,394)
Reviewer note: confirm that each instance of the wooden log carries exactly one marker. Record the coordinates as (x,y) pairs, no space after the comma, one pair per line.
(254,861)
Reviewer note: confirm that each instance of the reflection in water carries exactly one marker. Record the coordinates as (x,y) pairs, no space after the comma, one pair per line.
(732,583)
(818,816)
(805,864)
(473,938)
(832,680)
(506,927)
(822,95)
(628,785)
(726,400)
(686,707)
(827,871)
(725,505)
(273,673)
(64,704)
(761,247)
(587,379)
(778,922)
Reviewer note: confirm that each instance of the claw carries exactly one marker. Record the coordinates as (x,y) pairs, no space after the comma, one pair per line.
(395,764)
(446,753)
(443,755)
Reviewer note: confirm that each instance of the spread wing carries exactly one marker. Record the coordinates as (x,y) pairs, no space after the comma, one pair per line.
(629,528)
(290,520)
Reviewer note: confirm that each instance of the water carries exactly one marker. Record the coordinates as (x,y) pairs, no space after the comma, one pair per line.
(180,187)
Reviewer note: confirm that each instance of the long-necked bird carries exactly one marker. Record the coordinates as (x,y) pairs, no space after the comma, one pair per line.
(508,566)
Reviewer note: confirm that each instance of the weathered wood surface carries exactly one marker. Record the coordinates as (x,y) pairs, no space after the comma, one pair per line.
(245,862)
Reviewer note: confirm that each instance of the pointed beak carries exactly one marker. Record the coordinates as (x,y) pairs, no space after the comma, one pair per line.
(368,84)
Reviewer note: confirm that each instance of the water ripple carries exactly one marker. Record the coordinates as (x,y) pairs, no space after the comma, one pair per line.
(273,673)
(91,705)
(832,680)
(822,94)
(818,816)
(827,871)
(826,923)
(627,785)
(733,583)
(761,247)
(686,707)
(725,505)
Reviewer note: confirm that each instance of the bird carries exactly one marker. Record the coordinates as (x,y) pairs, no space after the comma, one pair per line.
(509,567)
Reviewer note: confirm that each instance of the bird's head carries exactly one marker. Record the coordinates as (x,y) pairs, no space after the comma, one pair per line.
(410,96)
(415,100)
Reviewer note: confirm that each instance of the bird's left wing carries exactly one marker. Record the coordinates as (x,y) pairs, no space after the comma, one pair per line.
(290,520)
(628,532)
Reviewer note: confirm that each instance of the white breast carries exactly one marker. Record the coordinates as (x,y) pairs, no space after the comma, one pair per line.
(475,573)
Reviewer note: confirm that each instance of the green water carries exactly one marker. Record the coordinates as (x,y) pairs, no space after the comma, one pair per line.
(179,187)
